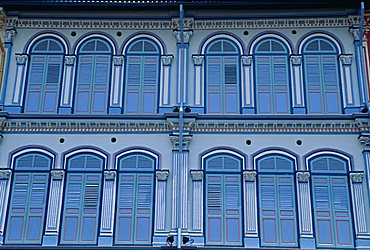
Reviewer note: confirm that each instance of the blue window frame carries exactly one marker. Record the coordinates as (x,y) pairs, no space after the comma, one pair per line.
(44,77)
(134,216)
(322,77)
(223,202)
(142,77)
(278,222)
(222,78)
(28,199)
(93,77)
(331,200)
(82,199)
(272,77)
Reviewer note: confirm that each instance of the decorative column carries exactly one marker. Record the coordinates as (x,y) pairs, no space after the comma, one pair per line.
(20,79)
(67,86)
(198,61)
(180,166)
(54,208)
(160,233)
(107,212)
(182,62)
(5,175)
(115,106)
(346,75)
(251,239)
(165,89)
(296,76)
(306,237)
(197,233)
(9,36)
(247,85)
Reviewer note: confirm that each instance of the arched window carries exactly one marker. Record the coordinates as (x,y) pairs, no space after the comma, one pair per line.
(134,218)
(28,199)
(278,219)
(222,78)
(93,77)
(272,77)
(322,77)
(82,198)
(142,77)
(331,200)
(44,77)
(223,200)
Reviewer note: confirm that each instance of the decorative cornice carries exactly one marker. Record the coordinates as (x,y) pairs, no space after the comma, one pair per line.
(303,176)
(9,35)
(186,140)
(196,175)
(57,174)
(346,59)
(365,141)
(70,60)
(162,175)
(296,60)
(166,60)
(109,174)
(250,175)
(198,60)
(356,177)
(247,60)
(118,60)
(5,174)
(187,35)
(21,59)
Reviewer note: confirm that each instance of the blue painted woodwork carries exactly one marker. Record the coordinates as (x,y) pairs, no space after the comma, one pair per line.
(322,77)
(44,77)
(82,199)
(93,77)
(277,213)
(272,78)
(142,78)
(28,199)
(134,219)
(223,201)
(222,74)
(331,200)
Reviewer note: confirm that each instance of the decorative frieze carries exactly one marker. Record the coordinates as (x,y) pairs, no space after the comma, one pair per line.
(198,60)
(118,60)
(109,175)
(296,60)
(247,60)
(186,140)
(21,59)
(57,174)
(162,175)
(9,35)
(303,176)
(196,175)
(69,60)
(357,177)
(188,22)
(187,35)
(5,174)
(346,59)
(167,60)
(250,175)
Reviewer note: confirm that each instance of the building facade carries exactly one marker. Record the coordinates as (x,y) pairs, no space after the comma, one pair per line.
(242,125)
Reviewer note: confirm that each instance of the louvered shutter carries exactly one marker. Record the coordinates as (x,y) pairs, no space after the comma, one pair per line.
(314,85)
(35,83)
(144,202)
(331,83)
(100,84)
(214,210)
(149,91)
(84,84)
(133,88)
(269,211)
(280,85)
(231,97)
(214,85)
(232,206)
(264,88)
(51,87)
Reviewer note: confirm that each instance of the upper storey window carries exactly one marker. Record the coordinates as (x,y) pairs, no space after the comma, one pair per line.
(44,77)
(272,81)
(142,77)
(322,78)
(222,78)
(94,65)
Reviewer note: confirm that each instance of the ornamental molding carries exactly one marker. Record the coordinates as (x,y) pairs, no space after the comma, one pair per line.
(187,35)
(357,177)
(70,60)
(355,33)
(346,59)
(162,175)
(21,59)
(198,60)
(250,175)
(365,141)
(296,60)
(303,176)
(247,60)
(118,60)
(109,174)
(5,174)
(167,60)
(57,174)
(186,140)
(196,175)
(9,35)
(188,22)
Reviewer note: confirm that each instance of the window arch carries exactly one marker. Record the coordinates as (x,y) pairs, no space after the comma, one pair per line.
(222,77)
(142,77)
(44,76)
(278,219)
(223,200)
(272,77)
(135,199)
(322,77)
(331,200)
(28,199)
(82,199)
(93,77)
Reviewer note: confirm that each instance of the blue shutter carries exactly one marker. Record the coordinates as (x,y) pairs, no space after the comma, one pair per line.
(35,84)
(264,88)
(331,83)
(53,79)
(84,82)
(214,85)
(100,84)
(314,87)
(269,223)
(133,82)
(231,97)
(150,85)
(232,206)
(281,84)
(214,212)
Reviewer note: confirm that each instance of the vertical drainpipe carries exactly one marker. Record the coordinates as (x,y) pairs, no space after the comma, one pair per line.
(362,57)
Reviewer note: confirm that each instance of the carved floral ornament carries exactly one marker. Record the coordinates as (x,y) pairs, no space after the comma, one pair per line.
(186,140)
(21,59)
(118,60)
(250,175)
(296,60)
(5,174)
(187,35)
(247,60)
(303,176)
(365,141)
(356,177)
(198,60)
(110,174)
(57,174)
(346,59)
(167,60)
(162,175)
(196,175)
(9,35)
(69,60)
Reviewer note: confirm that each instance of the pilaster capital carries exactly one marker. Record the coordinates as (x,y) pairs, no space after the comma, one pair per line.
(109,174)
(162,175)
(356,177)
(346,59)
(70,60)
(296,60)
(9,35)
(118,60)
(186,140)
(355,31)
(198,60)
(166,60)
(303,176)
(21,59)
(246,60)
(196,175)
(365,141)
(57,174)
(5,174)
(250,175)
(187,35)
